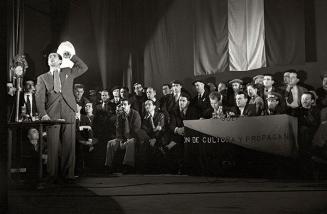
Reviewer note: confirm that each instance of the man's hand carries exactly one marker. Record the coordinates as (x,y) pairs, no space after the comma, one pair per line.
(158,128)
(171,145)
(180,131)
(66,55)
(89,142)
(45,117)
(152,142)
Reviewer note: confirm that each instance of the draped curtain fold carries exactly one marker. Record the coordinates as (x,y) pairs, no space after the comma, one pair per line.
(246,46)
(15,30)
(285,32)
(168,54)
(210,37)
(227,35)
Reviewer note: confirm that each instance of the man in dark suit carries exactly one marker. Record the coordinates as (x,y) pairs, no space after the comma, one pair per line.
(175,148)
(322,93)
(81,100)
(138,98)
(201,100)
(128,124)
(151,136)
(242,109)
(55,100)
(28,98)
(293,92)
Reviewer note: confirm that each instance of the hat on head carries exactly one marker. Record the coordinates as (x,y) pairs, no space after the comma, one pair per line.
(236,80)
(274,95)
(92,92)
(323,75)
(198,80)
(135,84)
(260,76)
(314,94)
(186,94)
(29,82)
(176,82)
(115,88)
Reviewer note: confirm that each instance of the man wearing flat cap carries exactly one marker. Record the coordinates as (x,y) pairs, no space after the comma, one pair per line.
(55,100)
(201,100)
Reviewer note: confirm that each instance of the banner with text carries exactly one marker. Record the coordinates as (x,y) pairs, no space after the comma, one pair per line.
(276,134)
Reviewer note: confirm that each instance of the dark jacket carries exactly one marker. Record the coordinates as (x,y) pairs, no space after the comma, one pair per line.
(46,96)
(158,120)
(201,103)
(249,110)
(128,126)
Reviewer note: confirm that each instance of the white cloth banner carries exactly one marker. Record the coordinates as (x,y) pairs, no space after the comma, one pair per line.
(276,134)
(246,35)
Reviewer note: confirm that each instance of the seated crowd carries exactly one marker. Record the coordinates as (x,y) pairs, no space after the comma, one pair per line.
(140,132)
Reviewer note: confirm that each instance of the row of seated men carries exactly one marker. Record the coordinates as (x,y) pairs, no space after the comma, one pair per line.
(118,138)
(147,133)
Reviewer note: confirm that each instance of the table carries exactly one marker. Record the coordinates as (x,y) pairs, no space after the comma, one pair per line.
(38,124)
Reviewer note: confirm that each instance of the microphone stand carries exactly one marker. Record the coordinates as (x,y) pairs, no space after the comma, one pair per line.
(19,81)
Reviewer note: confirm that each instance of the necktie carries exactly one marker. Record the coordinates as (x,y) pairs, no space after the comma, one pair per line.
(290,96)
(151,121)
(56,81)
(28,104)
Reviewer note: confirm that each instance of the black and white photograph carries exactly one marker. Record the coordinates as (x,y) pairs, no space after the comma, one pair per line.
(163,106)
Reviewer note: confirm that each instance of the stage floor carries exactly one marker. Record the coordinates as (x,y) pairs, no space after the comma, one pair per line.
(158,194)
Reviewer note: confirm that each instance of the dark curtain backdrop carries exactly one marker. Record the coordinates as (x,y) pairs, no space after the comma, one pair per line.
(210,37)
(169,53)
(158,41)
(284,26)
(191,40)
(110,36)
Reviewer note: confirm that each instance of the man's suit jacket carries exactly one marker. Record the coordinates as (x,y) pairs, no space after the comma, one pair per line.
(82,102)
(178,117)
(300,89)
(128,126)
(158,120)
(249,110)
(202,103)
(23,102)
(46,97)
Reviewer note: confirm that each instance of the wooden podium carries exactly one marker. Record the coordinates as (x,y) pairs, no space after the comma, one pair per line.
(39,125)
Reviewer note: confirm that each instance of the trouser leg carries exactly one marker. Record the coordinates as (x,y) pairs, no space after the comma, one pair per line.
(53,143)
(112,147)
(129,158)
